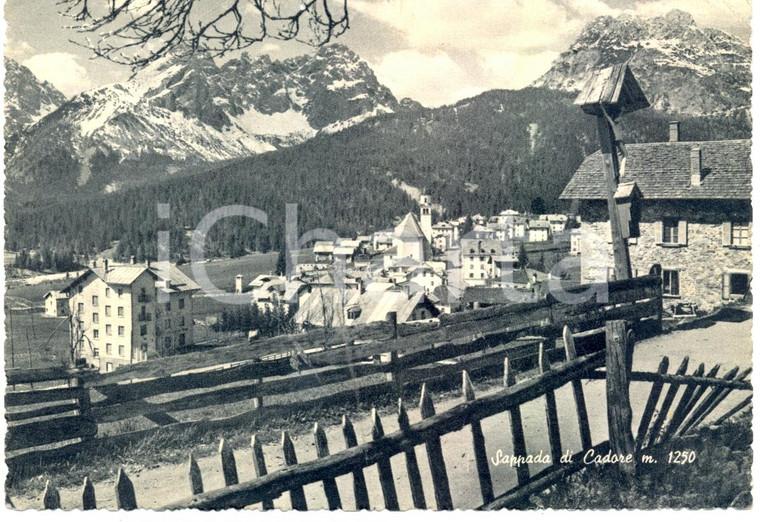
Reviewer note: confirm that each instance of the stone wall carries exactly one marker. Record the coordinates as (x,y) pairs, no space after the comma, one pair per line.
(701,263)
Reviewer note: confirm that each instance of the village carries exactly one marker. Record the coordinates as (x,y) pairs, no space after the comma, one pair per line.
(419,270)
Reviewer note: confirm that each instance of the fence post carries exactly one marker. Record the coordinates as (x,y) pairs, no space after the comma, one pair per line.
(85,408)
(395,375)
(196,479)
(619,413)
(361,496)
(412,467)
(435,457)
(384,470)
(229,467)
(329,485)
(125,492)
(297,497)
(50,497)
(88,495)
(260,467)
(478,445)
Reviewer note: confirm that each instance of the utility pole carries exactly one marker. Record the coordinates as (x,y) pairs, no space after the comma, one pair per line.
(609,94)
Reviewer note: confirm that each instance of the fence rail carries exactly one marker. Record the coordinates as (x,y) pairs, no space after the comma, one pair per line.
(376,358)
(686,404)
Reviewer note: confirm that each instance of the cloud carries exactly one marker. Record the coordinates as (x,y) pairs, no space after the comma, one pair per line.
(62,70)
(512,70)
(467,47)
(18,49)
(431,78)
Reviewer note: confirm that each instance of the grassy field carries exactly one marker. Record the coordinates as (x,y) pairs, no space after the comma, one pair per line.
(34,340)
(222,273)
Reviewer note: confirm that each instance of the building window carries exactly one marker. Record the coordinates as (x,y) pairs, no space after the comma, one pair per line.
(96,334)
(670,231)
(108,292)
(168,342)
(109,367)
(108,329)
(181,304)
(108,348)
(79,290)
(94,300)
(121,349)
(144,347)
(119,291)
(120,311)
(121,331)
(182,321)
(143,329)
(737,234)
(167,323)
(182,339)
(80,308)
(670,283)
(108,311)
(735,285)
(95,318)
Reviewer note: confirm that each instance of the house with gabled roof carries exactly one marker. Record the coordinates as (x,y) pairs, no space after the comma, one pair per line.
(128,313)
(695,221)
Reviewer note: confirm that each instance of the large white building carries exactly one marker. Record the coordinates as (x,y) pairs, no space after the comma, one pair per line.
(123,314)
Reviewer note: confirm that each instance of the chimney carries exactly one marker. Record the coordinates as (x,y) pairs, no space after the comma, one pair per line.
(94,263)
(696,167)
(105,264)
(132,260)
(675,131)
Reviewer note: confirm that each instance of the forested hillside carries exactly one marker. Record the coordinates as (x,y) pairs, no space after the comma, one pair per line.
(501,149)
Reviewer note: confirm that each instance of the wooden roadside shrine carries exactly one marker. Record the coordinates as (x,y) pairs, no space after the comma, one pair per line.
(609,94)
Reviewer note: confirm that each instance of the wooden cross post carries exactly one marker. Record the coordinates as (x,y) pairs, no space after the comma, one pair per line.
(611,178)
(609,94)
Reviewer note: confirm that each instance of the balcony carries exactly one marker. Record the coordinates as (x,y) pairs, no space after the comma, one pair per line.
(143,298)
(144,317)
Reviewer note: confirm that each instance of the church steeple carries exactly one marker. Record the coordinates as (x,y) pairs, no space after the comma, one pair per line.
(426,217)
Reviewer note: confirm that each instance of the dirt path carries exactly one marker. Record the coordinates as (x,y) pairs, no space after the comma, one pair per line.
(727,343)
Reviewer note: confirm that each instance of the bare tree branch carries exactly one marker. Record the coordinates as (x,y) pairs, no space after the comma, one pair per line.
(138,32)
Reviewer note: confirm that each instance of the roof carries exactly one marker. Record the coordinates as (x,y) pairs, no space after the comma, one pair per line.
(128,274)
(663,171)
(480,246)
(323,247)
(538,223)
(178,280)
(486,295)
(409,228)
(445,295)
(405,262)
(344,251)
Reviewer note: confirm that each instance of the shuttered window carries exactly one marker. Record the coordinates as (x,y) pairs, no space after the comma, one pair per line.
(736,234)
(735,285)
(671,232)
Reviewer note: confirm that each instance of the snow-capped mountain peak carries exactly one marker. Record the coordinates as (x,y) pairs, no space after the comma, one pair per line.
(195,111)
(682,68)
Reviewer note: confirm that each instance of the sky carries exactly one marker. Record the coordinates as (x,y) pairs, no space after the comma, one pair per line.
(434,51)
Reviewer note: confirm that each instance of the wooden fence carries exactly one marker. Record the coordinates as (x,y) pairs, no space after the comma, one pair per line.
(700,395)
(276,374)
